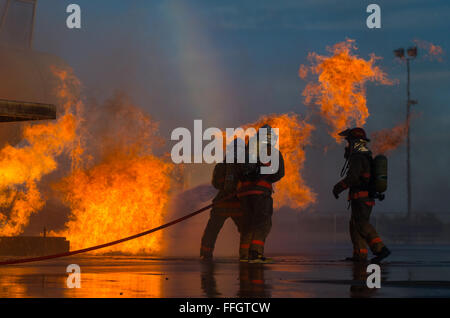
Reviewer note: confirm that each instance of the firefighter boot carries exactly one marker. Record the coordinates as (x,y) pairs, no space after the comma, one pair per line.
(385,252)
(356,259)
(258,258)
(359,256)
(206,254)
(243,253)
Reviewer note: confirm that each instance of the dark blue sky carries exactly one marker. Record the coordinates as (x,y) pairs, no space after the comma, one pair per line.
(228,62)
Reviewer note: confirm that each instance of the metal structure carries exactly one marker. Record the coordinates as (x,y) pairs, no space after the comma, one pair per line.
(32,245)
(17,79)
(5,14)
(23,111)
(11,110)
(411,53)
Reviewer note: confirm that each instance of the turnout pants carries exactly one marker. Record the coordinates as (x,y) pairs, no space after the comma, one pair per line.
(215,224)
(362,233)
(257,222)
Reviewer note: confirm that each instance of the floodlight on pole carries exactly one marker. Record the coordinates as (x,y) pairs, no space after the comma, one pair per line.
(412,51)
(400,53)
(411,54)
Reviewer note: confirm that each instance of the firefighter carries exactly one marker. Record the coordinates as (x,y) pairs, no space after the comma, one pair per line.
(357,180)
(225,181)
(255,194)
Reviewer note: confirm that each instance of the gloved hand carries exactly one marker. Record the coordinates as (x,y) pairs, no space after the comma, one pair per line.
(336,191)
(338,188)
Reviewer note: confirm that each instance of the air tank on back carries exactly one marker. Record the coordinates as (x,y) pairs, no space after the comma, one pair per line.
(380,166)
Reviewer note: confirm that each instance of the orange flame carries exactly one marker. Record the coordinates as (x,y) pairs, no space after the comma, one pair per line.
(123,190)
(21,167)
(387,140)
(340,91)
(433,52)
(294,135)
(124,195)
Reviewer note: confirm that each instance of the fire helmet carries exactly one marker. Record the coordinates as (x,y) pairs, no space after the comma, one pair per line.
(270,138)
(354,134)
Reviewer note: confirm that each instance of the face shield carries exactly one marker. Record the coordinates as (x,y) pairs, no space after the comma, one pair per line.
(267,136)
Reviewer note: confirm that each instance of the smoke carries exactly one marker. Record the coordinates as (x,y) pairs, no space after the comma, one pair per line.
(184,238)
(26,76)
(188,200)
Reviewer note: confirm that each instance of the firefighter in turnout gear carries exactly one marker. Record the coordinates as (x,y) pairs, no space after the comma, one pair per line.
(357,179)
(225,181)
(255,194)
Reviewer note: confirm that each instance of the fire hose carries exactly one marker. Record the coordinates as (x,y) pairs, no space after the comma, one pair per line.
(88,249)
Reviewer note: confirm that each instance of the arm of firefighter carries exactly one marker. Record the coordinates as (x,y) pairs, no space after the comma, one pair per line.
(275,177)
(352,178)
(218,178)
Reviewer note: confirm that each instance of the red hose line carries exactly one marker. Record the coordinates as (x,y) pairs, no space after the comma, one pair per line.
(84,250)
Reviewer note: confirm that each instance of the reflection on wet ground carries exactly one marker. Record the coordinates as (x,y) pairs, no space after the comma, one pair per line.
(411,272)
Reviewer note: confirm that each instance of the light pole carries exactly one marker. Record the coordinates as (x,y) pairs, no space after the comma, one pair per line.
(411,54)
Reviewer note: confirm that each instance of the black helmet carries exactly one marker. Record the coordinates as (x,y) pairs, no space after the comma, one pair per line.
(354,134)
(271,136)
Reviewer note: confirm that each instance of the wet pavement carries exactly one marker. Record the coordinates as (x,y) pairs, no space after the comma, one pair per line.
(420,271)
